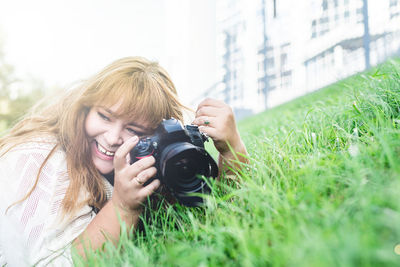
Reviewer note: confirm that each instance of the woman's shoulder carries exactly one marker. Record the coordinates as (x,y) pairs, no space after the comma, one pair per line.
(38,145)
(47,142)
(31,154)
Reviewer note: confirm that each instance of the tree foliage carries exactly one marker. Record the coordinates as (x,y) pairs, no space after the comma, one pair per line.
(17,95)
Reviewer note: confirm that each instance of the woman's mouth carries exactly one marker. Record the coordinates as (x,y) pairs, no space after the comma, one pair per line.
(102,152)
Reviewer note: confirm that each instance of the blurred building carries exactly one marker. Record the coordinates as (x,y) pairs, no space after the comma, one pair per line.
(271,51)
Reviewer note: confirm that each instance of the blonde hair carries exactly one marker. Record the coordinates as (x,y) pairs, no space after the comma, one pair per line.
(141,86)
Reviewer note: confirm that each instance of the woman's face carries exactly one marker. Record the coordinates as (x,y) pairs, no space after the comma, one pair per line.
(106,132)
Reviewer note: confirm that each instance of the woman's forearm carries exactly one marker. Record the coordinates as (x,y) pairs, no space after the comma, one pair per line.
(105,226)
(233,158)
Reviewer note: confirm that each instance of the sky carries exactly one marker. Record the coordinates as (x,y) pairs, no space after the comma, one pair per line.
(61,42)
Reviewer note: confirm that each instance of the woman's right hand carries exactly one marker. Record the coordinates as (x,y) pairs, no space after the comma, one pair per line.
(129,190)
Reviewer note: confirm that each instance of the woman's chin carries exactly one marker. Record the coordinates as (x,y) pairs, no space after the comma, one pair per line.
(103,167)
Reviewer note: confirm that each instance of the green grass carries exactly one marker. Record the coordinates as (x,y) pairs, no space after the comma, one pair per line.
(322,189)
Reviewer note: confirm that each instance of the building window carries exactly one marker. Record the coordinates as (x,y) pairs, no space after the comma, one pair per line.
(284,56)
(286,79)
(394,8)
(324,5)
(314,29)
(270,62)
(336,3)
(284,59)
(271,82)
(324,25)
(347,15)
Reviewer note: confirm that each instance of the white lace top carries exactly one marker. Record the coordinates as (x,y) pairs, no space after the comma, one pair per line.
(31,232)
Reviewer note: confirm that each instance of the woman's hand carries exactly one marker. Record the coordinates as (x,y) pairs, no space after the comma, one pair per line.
(216,119)
(129,190)
(126,202)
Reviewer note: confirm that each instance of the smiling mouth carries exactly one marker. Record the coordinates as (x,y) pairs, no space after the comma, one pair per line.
(104,151)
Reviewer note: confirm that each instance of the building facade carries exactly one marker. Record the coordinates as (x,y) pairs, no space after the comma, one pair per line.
(271,51)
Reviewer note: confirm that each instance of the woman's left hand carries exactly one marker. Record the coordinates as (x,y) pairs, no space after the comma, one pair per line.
(216,119)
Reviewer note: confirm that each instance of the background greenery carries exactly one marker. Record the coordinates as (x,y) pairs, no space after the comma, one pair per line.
(322,189)
(17,94)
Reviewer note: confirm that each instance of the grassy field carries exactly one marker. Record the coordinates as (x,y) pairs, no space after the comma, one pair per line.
(322,189)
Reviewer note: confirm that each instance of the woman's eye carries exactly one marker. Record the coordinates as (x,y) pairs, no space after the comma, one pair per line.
(132,131)
(104,117)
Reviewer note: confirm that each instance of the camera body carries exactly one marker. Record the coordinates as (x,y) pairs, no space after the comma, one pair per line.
(181,159)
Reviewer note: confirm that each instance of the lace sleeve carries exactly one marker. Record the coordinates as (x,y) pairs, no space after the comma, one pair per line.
(31,233)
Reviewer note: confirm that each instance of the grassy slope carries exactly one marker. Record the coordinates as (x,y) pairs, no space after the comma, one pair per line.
(322,189)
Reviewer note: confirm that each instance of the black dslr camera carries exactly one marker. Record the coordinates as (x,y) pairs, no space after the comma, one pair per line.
(181,159)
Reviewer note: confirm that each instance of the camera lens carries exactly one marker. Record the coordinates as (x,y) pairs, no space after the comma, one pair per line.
(185,169)
(182,165)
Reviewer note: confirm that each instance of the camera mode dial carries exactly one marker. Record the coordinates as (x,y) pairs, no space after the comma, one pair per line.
(143,149)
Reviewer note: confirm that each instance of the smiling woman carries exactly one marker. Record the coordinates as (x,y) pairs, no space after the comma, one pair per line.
(107,131)
(54,163)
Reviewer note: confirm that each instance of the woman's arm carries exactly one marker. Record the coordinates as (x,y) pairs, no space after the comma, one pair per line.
(105,226)
(216,119)
(126,203)
(233,159)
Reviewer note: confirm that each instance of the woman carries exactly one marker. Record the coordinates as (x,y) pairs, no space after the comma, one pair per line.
(53,162)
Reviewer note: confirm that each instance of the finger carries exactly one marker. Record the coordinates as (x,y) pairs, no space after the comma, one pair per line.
(204,121)
(140,166)
(211,102)
(149,189)
(122,152)
(210,131)
(208,111)
(144,176)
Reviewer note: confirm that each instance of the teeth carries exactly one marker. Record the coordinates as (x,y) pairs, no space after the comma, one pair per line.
(104,151)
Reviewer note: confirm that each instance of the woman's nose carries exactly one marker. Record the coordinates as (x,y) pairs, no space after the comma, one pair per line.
(114,136)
